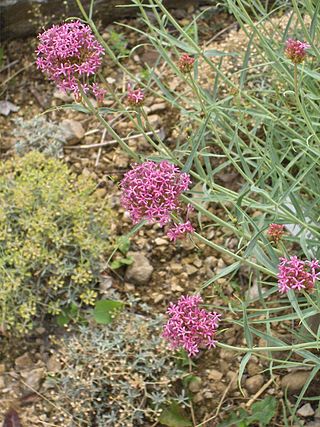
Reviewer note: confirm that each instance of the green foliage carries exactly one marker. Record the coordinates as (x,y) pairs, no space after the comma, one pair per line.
(53,234)
(118,44)
(105,310)
(261,413)
(40,135)
(174,416)
(119,374)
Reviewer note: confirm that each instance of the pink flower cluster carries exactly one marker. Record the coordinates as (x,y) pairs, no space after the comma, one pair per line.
(296,50)
(190,326)
(177,231)
(276,231)
(185,63)
(297,274)
(68,54)
(151,191)
(135,97)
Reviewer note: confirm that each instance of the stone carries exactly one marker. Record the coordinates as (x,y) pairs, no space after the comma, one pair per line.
(105,284)
(2,368)
(53,364)
(73,131)
(62,95)
(176,268)
(33,378)
(294,381)
(100,193)
(195,384)
(305,410)
(253,369)
(23,362)
(2,382)
(20,18)
(253,384)
(233,380)
(161,242)
(140,271)
(191,269)
(315,423)
(227,355)
(214,375)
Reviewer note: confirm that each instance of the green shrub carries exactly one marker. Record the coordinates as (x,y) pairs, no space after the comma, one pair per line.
(53,234)
(118,375)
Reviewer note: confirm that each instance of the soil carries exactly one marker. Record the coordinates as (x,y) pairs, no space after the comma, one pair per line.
(178,269)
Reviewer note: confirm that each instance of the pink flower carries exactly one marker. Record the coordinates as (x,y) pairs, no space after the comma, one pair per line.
(296,50)
(177,231)
(68,54)
(297,274)
(151,191)
(190,326)
(135,97)
(185,63)
(98,92)
(276,231)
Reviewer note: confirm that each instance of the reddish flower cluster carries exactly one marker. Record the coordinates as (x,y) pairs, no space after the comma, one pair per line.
(276,231)
(185,63)
(68,54)
(297,274)
(135,97)
(190,326)
(296,50)
(151,191)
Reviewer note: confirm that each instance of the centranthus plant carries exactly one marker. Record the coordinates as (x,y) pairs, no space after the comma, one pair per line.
(254,113)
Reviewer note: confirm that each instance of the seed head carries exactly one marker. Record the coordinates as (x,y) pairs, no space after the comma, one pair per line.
(275,232)
(296,50)
(185,63)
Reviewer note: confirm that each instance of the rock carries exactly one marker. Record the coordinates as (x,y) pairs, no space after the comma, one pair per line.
(195,384)
(313,424)
(23,362)
(214,375)
(191,269)
(197,262)
(2,382)
(20,18)
(140,271)
(233,380)
(63,96)
(73,131)
(105,284)
(33,378)
(53,364)
(157,107)
(305,410)
(227,355)
(161,242)
(253,369)
(100,193)
(176,268)
(155,121)
(253,384)
(157,298)
(208,395)
(2,368)
(294,381)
